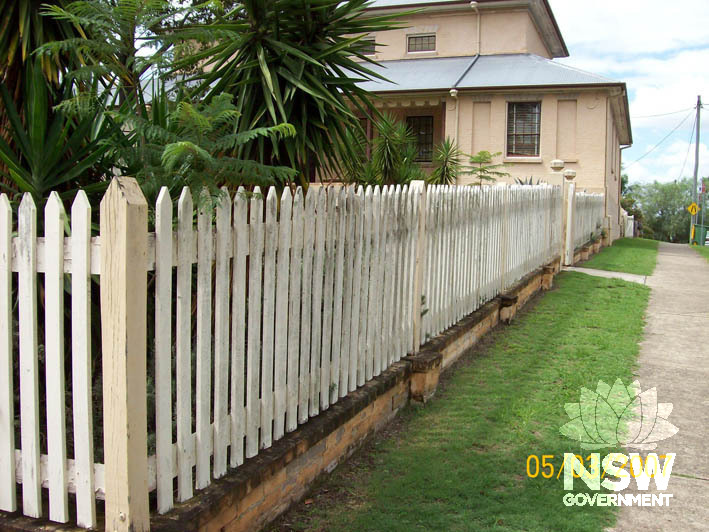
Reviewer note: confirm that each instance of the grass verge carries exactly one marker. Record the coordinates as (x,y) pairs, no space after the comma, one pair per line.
(703,251)
(629,255)
(460,463)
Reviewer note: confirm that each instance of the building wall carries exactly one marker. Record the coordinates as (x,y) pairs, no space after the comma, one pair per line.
(613,175)
(502,32)
(573,128)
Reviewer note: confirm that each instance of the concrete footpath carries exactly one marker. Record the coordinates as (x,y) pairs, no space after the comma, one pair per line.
(633,278)
(674,358)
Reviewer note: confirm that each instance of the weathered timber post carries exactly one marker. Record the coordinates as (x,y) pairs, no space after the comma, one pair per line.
(419,188)
(124,244)
(567,252)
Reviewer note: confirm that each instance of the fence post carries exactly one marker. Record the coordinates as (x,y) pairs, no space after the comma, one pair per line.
(124,242)
(419,188)
(567,252)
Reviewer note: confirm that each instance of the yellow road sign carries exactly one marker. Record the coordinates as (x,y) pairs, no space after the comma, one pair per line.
(693,209)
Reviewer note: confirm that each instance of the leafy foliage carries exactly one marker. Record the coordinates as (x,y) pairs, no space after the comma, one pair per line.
(664,209)
(121,41)
(394,152)
(164,138)
(23,30)
(390,158)
(292,61)
(447,165)
(50,150)
(483,169)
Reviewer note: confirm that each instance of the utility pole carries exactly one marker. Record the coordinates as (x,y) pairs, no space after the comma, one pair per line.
(696,165)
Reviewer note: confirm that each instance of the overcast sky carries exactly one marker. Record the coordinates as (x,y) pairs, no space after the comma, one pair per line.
(661,50)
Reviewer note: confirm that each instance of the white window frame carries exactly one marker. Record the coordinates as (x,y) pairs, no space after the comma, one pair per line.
(523,158)
(426,34)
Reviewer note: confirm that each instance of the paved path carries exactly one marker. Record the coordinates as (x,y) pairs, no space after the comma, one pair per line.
(674,357)
(642,279)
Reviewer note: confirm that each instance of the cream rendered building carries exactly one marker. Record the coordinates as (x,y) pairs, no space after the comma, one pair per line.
(482,73)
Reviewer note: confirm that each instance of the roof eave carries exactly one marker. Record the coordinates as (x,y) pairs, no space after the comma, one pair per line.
(462,88)
(620,108)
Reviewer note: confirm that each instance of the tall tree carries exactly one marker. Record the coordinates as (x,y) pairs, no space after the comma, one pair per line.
(664,209)
(295,61)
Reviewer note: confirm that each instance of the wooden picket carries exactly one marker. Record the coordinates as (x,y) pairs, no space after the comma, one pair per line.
(281,363)
(224,249)
(203,411)
(8,502)
(163,349)
(238,330)
(183,345)
(294,310)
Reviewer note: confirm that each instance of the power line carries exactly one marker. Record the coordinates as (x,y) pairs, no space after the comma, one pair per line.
(663,140)
(689,147)
(664,114)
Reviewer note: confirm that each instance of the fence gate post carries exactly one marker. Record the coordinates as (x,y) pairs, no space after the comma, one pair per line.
(567,251)
(419,188)
(124,243)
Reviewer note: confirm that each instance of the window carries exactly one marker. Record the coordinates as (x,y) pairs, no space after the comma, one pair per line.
(369,47)
(523,121)
(422,128)
(421,43)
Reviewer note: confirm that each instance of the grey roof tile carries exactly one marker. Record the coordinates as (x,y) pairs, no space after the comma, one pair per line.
(509,70)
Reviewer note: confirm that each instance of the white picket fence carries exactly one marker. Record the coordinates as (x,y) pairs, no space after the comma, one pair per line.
(482,240)
(298,300)
(589,213)
(628,227)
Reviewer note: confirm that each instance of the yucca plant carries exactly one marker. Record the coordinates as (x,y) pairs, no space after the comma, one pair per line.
(22,30)
(529,181)
(391,158)
(292,61)
(446,162)
(50,150)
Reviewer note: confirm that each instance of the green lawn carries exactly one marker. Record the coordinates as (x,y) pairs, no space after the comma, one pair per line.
(630,255)
(703,250)
(459,464)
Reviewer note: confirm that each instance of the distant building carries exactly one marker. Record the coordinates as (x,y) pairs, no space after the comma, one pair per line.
(483,74)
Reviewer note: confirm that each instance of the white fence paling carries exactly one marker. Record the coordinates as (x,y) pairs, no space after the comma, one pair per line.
(589,212)
(311,296)
(8,501)
(163,349)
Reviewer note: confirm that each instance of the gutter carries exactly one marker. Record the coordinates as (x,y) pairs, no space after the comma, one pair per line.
(509,88)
